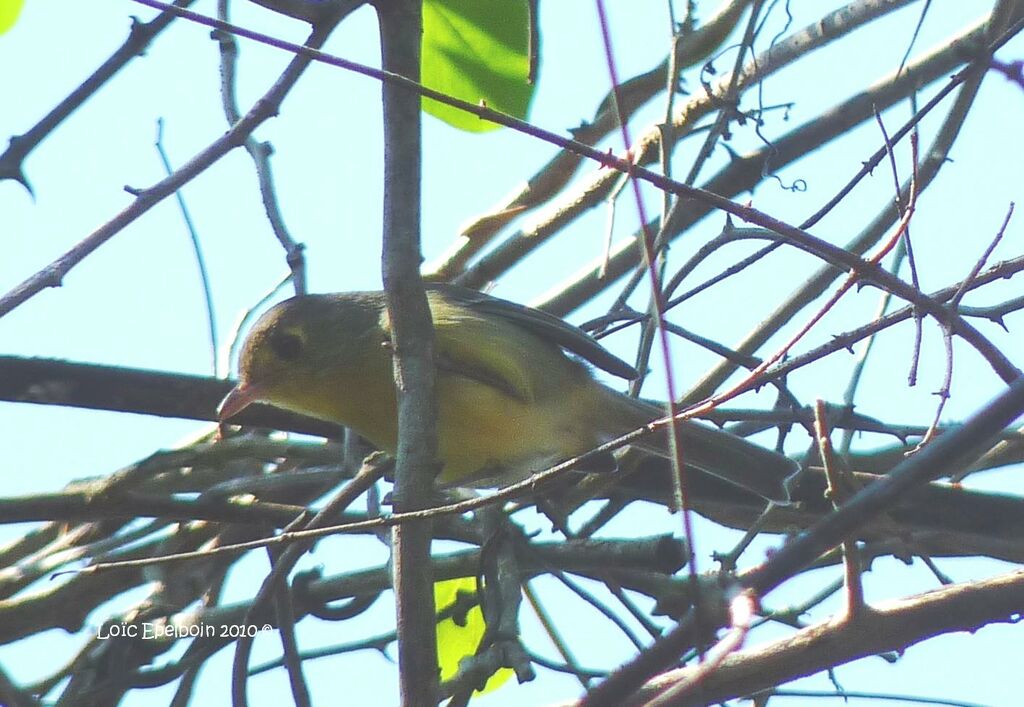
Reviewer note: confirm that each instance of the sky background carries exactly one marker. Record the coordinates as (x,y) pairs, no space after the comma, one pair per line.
(137,301)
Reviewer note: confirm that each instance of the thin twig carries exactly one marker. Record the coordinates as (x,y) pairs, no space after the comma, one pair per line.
(197,251)
(838,491)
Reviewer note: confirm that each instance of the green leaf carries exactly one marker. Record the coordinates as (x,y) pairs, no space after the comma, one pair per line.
(9,10)
(459,636)
(477,50)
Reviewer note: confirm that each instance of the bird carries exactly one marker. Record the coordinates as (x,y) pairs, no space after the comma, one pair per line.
(515,389)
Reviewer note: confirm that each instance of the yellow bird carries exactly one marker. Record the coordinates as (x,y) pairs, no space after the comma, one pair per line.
(510,401)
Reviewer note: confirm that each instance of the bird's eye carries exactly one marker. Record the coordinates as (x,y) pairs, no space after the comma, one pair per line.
(287,346)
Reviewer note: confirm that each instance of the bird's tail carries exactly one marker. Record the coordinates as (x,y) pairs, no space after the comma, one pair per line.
(716,452)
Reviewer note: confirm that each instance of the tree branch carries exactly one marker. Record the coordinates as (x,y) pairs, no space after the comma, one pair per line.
(412,338)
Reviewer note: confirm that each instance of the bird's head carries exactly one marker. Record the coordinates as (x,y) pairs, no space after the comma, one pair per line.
(301,351)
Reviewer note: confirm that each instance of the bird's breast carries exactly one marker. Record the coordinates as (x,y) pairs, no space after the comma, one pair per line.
(486,435)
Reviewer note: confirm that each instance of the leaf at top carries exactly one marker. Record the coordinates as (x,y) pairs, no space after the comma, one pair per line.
(477,50)
(459,636)
(9,10)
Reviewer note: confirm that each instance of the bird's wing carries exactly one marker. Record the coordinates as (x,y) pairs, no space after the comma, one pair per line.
(475,345)
(540,324)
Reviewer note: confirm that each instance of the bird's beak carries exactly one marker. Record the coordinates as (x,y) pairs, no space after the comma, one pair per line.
(241,396)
